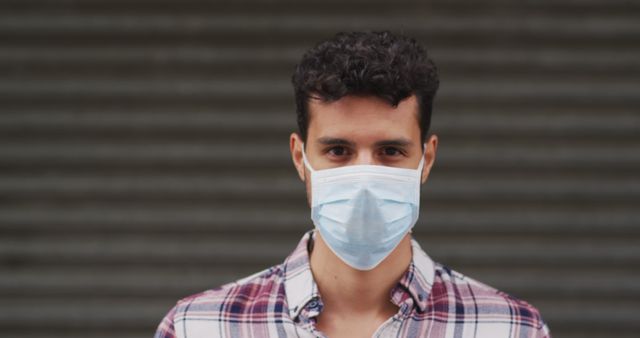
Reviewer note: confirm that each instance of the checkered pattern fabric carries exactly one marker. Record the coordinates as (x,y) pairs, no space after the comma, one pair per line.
(283,301)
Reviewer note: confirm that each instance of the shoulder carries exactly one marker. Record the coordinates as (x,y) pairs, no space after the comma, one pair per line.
(259,294)
(455,292)
(236,297)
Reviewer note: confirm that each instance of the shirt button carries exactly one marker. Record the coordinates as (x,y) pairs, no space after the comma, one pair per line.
(313,304)
(421,297)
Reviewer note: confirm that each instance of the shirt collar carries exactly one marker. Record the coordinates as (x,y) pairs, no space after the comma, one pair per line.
(418,279)
(299,285)
(301,288)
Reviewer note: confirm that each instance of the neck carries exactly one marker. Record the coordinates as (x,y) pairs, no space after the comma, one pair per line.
(347,290)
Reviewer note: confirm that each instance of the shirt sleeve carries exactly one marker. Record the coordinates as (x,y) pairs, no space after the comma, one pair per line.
(166,328)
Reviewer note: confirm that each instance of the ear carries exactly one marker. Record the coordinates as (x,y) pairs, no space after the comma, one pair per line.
(429,156)
(295,145)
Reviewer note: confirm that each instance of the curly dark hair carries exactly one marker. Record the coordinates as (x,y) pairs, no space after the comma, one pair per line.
(389,66)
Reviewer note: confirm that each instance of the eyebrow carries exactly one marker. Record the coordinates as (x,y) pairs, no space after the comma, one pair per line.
(335,141)
(398,142)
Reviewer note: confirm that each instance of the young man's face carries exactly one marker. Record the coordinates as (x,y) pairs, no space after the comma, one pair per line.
(362,130)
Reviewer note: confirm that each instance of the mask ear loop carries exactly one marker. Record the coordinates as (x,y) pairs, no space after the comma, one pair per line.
(306,161)
(420,167)
(311,242)
(421,164)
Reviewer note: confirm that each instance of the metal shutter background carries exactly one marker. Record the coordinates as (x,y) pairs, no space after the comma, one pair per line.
(144,157)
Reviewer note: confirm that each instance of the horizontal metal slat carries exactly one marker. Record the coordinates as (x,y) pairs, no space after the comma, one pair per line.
(175,280)
(152,187)
(594,27)
(152,250)
(566,122)
(167,5)
(235,219)
(222,57)
(242,154)
(259,88)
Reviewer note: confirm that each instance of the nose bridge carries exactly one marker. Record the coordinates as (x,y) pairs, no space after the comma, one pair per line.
(365,156)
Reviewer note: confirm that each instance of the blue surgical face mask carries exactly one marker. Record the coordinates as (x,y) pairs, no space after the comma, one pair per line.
(363,211)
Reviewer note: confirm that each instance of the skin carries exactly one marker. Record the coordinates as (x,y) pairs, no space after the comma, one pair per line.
(359,130)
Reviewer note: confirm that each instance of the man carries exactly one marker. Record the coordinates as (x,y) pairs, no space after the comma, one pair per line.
(364,103)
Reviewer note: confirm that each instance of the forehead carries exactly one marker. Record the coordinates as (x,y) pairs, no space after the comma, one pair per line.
(363,117)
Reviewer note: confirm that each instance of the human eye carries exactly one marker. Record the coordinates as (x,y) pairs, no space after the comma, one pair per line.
(391,152)
(337,151)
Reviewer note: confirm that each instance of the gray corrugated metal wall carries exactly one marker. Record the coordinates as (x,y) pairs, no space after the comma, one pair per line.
(143,153)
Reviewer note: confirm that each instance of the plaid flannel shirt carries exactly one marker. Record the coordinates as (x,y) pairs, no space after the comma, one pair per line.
(283,301)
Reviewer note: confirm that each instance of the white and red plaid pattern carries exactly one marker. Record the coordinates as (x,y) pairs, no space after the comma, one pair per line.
(283,301)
